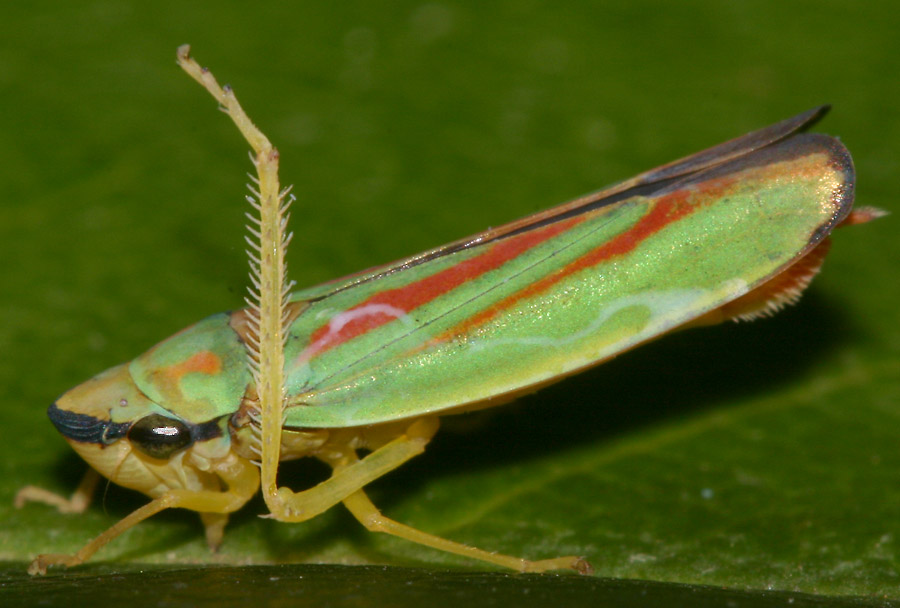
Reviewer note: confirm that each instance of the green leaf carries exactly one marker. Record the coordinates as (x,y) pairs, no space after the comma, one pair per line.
(756,456)
(361,586)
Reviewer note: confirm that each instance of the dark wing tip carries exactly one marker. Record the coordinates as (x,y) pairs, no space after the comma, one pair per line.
(839,159)
(807,119)
(734,148)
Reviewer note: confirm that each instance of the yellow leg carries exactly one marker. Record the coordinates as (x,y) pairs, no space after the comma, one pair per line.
(289,506)
(369,516)
(76,503)
(243,482)
(267,313)
(351,475)
(214,526)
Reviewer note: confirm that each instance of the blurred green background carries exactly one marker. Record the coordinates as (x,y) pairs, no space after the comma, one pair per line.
(756,456)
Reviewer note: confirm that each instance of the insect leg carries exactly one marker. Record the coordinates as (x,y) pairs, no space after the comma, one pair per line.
(76,503)
(351,474)
(214,527)
(369,516)
(269,289)
(241,477)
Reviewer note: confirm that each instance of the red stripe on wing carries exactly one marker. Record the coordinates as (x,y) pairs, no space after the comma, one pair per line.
(388,305)
(667,210)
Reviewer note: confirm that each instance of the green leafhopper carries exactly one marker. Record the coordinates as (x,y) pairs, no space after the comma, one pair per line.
(371,361)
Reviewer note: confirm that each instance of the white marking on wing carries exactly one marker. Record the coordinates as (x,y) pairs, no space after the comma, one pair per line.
(341,319)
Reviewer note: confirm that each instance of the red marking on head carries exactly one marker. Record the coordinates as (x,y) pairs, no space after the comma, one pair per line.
(203,362)
(418,293)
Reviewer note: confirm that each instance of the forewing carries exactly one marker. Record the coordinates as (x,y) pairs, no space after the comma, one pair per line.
(519,307)
(647,182)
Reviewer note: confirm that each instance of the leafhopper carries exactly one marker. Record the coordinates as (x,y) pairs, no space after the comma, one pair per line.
(371,361)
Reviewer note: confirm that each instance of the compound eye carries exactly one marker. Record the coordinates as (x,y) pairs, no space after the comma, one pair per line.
(158,436)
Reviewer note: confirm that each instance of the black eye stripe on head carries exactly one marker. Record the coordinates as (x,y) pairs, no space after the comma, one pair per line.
(88,429)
